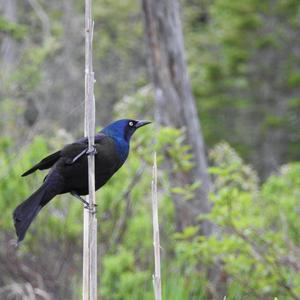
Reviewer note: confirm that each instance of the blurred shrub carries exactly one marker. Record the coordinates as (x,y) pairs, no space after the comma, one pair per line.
(258,241)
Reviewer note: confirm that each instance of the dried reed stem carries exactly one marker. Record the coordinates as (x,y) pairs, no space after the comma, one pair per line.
(89,287)
(156,243)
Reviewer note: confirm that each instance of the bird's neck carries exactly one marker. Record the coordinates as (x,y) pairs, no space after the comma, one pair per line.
(122,147)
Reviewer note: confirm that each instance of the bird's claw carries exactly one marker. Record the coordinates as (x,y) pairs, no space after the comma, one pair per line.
(92,151)
(91,208)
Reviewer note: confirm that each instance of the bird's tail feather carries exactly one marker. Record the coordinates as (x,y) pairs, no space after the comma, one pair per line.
(28,210)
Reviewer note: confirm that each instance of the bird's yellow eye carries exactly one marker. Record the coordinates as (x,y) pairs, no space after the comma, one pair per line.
(130,123)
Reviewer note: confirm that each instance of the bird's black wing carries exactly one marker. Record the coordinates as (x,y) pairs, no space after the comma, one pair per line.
(50,160)
(45,163)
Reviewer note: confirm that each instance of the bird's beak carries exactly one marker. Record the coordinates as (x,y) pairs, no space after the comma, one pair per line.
(141,123)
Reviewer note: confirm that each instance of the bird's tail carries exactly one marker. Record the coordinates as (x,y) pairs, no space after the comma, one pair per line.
(28,210)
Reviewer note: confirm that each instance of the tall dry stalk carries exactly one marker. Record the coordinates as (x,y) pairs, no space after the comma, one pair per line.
(156,243)
(89,286)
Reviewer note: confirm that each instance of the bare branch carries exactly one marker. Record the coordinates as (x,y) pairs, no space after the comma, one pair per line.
(40,12)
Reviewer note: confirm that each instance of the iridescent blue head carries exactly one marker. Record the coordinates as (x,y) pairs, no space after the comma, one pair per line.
(121,131)
(124,128)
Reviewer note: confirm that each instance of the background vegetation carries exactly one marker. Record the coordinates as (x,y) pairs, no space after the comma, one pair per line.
(244,62)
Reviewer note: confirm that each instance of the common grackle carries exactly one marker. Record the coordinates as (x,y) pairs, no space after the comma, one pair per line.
(69,169)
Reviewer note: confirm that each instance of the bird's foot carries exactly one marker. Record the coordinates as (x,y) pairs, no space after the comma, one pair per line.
(92,151)
(91,208)
(87,205)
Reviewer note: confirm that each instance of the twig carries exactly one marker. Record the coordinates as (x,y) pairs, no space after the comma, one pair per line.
(41,15)
(156,244)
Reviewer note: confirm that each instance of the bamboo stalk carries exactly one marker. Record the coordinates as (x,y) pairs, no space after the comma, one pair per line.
(156,243)
(89,288)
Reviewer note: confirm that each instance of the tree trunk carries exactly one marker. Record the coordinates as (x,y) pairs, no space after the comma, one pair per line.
(175,104)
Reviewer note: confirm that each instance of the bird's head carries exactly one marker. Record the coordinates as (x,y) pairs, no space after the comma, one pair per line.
(124,128)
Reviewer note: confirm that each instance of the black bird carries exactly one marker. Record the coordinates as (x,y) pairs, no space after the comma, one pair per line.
(69,169)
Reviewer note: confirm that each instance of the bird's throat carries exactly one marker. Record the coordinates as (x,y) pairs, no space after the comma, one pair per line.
(122,148)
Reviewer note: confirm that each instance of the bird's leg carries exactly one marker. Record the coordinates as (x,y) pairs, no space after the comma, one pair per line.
(86,204)
(87,151)
(70,162)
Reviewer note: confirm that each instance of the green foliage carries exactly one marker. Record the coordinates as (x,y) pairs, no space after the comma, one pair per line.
(121,280)
(244,73)
(9,112)
(257,244)
(171,140)
(12,29)
(30,74)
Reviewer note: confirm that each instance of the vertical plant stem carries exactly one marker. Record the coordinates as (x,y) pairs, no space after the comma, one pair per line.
(89,289)
(156,243)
